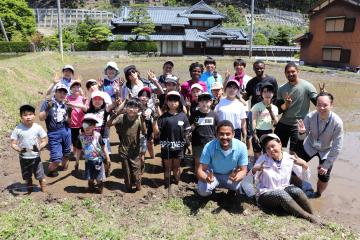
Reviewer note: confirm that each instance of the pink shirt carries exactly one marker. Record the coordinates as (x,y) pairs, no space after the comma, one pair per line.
(77,115)
(186,88)
(274,177)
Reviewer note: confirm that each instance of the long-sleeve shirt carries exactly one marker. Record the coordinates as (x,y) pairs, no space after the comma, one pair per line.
(329,133)
(277,176)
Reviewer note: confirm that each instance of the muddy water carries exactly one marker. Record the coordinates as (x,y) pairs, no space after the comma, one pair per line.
(340,202)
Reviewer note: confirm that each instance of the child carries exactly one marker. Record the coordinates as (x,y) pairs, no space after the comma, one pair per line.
(203,123)
(54,113)
(172,128)
(171,84)
(25,140)
(78,109)
(264,117)
(95,153)
(230,108)
(66,79)
(111,81)
(196,90)
(128,127)
(217,94)
(210,76)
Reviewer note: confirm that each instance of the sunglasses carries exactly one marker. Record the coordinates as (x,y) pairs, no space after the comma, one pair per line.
(131,72)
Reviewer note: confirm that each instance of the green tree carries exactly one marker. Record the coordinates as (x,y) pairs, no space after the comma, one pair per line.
(260,39)
(17,17)
(170,3)
(144,25)
(99,34)
(83,28)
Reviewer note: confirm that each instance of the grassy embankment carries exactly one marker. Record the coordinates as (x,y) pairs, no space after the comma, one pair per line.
(109,217)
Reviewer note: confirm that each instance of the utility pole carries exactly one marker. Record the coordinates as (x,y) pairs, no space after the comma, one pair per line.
(251,28)
(3,30)
(60,31)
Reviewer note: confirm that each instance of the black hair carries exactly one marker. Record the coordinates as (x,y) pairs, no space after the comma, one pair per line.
(325,94)
(258,62)
(173,97)
(92,108)
(195,65)
(75,83)
(26,108)
(240,62)
(291,64)
(269,87)
(209,60)
(224,123)
(90,84)
(90,121)
(128,82)
(133,102)
(268,139)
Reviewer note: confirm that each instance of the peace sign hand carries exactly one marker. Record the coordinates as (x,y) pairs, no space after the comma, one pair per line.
(227,74)
(301,126)
(322,87)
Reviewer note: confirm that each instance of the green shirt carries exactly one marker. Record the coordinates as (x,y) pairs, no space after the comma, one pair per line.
(263,118)
(301,94)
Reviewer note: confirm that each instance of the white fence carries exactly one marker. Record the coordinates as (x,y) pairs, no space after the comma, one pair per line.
(47,18)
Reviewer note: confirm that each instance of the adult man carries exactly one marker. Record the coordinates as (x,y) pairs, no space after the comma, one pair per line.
(223,162)
(323,133)
(208,76)
(293,101)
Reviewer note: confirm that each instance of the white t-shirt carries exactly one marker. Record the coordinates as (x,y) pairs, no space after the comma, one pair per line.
(27,138)
(232,110)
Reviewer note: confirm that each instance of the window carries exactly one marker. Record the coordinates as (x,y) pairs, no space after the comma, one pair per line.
(166,27)
(198,23)
(189,44)
(340,24)
(213,43)
(208,23)
(336,54)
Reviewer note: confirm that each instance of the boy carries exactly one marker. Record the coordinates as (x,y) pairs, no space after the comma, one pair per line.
(203,123)
(25,140)
(264,117)
(217,93)
(128,127)
(209,75)
(95,153)
(54,113)
(196,90)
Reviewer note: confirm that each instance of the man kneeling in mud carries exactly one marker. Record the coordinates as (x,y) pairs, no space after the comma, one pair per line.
(223,162)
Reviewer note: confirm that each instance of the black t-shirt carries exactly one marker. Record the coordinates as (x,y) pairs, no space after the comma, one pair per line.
(172,130)
(205,129)
(253,89)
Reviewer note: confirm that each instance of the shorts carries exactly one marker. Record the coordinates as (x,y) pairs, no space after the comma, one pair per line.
(30,166)
(75,132)
(107,144)
(257,146)
(178,154)
(149,130)
(286,132)
(197,150)
(94,170)
(59,144)
(303,155)
(238,133)
(143,146)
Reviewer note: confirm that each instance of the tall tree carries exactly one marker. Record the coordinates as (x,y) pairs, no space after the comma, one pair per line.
(144,25)
(17,17)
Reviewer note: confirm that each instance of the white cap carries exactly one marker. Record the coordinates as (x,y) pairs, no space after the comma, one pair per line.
(196,85)
(112,65)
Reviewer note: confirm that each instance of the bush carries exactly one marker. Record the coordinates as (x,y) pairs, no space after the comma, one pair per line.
(142,47)
(81,46)
(14,47)
(117,46)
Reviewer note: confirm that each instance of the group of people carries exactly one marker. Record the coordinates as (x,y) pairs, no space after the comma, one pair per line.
(221,120)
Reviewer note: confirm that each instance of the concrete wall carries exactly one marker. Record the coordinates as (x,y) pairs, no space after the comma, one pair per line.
(100,53)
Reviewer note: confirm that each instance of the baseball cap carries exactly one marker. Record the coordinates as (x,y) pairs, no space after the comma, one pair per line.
(68,66)
(196,85)
(147,90)
(74,83)
(216,85)
(173,93)
(171,79)
(204,96)
(90,117)
(98,94)
(233,81)
(266,137)
(112,65)
(61,86)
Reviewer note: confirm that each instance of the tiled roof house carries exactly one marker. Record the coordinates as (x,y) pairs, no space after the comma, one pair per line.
(183,30)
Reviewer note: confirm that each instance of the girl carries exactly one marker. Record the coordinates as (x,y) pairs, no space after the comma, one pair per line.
(95,153)
(172,127)
(111,81)
(230,108)
(273,171)
(77,111)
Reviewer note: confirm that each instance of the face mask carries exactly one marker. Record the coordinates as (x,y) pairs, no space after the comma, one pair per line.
(85,125)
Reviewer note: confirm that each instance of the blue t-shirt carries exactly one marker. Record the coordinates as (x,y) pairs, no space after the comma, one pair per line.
(208,78)
(57,116)
(222,162)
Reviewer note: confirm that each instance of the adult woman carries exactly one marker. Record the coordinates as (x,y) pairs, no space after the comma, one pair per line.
(272,178)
